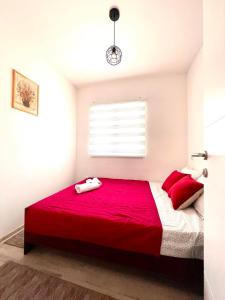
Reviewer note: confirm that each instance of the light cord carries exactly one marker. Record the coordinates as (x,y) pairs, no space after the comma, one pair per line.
(114,34)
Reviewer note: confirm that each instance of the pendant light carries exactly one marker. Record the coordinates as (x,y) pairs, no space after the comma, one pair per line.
(113,53)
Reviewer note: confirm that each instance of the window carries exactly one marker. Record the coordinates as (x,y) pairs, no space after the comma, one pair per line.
(118,129)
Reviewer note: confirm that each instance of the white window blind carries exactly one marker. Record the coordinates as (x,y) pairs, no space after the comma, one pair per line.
(118,129)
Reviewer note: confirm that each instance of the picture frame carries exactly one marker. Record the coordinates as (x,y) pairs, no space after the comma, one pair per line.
(25,93)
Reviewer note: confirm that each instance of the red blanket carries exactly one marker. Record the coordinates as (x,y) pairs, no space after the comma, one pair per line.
(121,214)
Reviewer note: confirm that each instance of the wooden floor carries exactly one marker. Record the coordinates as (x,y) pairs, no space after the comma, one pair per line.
(118,281)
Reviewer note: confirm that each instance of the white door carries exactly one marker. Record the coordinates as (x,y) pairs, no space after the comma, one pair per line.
(214,140)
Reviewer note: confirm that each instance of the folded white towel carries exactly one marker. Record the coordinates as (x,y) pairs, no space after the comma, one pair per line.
(96,180)
(89,180)
(93,180)
(89,185)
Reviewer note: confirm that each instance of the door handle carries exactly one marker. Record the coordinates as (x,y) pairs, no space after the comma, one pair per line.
(200,154)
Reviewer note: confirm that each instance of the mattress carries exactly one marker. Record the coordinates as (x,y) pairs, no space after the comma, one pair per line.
(121,214)
(183,234)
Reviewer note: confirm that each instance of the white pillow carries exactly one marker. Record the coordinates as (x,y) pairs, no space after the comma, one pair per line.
(199,203)
(195,174)
(201,179)
(199,206)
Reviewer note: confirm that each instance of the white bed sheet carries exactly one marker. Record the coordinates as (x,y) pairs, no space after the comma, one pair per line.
(183,234)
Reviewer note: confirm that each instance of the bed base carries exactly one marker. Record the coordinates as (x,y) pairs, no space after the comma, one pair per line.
(179,269)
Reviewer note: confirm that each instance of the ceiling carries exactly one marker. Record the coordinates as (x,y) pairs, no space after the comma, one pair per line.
(155,36)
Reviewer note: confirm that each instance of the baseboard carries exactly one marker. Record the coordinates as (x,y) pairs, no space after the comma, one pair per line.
(15,231)
(208,294)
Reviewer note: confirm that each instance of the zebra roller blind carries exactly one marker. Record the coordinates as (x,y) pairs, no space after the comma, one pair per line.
(118,129)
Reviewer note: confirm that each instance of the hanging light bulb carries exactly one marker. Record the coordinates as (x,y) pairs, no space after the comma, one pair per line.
(113,53)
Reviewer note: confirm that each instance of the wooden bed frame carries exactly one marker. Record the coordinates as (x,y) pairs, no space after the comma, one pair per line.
(179,269)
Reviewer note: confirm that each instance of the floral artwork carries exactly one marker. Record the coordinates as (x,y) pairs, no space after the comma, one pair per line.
(25,94)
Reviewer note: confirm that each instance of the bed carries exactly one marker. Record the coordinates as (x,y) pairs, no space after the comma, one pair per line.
(128,221)
(183,230)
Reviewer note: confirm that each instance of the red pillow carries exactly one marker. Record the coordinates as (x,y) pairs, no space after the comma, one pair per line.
(184,192)
(172,179)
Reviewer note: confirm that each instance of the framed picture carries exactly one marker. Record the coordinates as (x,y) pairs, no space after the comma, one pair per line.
(25,94)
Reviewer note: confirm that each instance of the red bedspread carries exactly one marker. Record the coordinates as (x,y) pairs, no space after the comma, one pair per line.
(120,214)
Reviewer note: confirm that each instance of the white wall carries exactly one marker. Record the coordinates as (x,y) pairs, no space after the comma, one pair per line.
(195,110)
(214,129)
(37,154)
(167,129)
